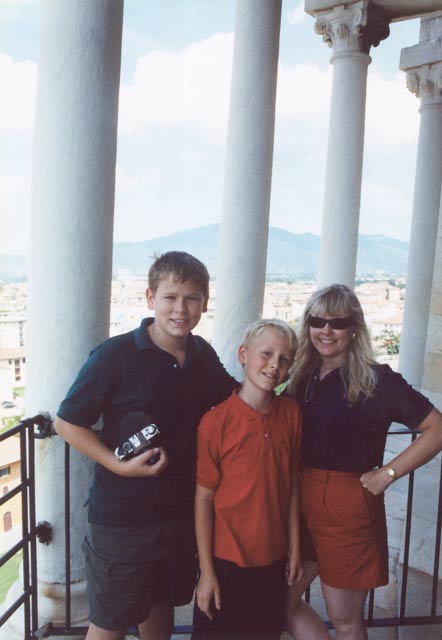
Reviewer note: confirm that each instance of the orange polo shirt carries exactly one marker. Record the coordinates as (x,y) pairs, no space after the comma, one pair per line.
(248,459)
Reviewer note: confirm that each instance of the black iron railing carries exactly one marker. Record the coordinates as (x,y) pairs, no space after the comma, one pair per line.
(26,431)
(41,427)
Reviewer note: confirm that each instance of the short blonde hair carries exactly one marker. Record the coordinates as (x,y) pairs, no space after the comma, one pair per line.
(258,327)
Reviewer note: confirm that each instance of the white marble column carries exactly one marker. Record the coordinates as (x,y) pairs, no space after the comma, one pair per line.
(248,173)
(70,265)
(423,64)
(350,30)
(432,373)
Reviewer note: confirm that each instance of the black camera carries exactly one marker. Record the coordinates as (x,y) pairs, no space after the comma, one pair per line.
(147,437)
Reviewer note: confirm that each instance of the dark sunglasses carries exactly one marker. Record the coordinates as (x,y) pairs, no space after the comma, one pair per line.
(335,323)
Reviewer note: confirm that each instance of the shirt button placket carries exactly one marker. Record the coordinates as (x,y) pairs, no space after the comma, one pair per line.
(265,430)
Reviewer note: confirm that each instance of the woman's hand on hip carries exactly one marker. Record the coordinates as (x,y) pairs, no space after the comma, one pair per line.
(376,480)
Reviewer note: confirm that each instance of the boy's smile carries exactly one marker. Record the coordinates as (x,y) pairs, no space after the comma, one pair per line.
(178,307)
(266,360)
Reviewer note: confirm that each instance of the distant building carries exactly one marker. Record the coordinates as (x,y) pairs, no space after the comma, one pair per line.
(12,331)
(10,512)
(12,369)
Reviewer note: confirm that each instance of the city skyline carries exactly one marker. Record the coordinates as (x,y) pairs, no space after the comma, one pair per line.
(174,95)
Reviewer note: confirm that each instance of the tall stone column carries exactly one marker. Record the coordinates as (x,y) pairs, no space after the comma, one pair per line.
(248,174)
(432,373)
(423,64)
(350,30)
(70,265)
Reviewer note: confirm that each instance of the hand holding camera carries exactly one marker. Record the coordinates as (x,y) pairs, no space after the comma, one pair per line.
(141,450)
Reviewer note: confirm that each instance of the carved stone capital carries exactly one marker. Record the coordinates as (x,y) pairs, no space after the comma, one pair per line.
(354,27)
(426,83)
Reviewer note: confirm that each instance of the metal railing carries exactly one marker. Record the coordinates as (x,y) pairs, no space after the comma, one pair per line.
(41,427)
(26,430)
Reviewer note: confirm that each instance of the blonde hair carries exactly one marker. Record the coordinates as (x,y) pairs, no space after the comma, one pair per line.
(357,371)
(258,327)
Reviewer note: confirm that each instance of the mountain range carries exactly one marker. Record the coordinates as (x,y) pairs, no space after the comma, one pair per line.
(289,254)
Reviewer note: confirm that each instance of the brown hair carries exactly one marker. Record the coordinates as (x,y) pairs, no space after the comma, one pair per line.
(182,266)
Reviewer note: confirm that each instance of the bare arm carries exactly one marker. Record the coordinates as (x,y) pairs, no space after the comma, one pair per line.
(208,586)
(294,565)
(425,447)
(88,443)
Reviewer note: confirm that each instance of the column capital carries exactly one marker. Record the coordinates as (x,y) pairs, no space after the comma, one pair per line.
(426,83)
(423,63)
(352,28)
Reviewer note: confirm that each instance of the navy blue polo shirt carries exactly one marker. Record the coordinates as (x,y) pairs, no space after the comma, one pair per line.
(343,437)
(130,373)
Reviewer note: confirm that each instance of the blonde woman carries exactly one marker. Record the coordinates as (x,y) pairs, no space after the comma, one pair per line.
(348,403)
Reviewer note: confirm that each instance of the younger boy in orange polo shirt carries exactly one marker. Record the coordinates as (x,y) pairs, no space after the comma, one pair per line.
(246,505)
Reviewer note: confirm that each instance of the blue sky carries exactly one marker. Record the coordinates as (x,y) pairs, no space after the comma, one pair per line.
(175,82)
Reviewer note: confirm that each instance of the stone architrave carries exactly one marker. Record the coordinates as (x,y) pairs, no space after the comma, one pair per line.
(350,30)
(248,174)
(423,64)
(70,266)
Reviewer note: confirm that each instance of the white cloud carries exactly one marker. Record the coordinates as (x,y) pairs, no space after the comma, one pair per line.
(18,81)
(297,15)
(123,181)
(127,182)
(14,221)
(392,112)
(189,89)
(173,120)
(174,93)
(386,209)
(303,92)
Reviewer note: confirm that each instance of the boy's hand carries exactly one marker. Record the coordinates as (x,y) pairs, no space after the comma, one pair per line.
(208,588)
(137,466)
(294,569)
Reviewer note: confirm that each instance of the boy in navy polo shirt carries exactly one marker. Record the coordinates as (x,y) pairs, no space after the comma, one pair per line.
(140,543)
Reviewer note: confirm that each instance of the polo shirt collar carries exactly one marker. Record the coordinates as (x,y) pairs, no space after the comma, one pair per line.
(143,340)
(246,410)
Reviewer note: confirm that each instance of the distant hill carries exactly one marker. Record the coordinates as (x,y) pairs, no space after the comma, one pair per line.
(289,254)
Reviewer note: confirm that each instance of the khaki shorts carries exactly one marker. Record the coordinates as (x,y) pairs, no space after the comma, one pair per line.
(344,530)
(130,569)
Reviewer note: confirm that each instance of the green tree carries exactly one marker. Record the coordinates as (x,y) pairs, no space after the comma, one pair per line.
(389,342)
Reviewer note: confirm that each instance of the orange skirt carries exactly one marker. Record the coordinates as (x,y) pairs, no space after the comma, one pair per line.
(344,530)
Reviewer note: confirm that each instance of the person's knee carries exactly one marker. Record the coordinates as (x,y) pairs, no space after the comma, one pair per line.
(346,625)
(159,624)
(292,608)
(98,633)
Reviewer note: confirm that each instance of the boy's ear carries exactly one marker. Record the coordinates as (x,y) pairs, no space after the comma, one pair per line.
(150,299)
(242,351)
(205,304)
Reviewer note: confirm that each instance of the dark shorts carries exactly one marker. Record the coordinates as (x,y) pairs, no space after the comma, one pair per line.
(252,604)
(343,529)
(129,569)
